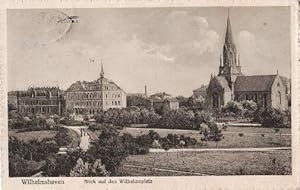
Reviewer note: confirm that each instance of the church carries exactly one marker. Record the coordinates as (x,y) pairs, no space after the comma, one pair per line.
(268,91)
(95,96)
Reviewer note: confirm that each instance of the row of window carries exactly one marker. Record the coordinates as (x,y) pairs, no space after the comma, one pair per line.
(91,95)
(98,103)
(38,102)
(39,109)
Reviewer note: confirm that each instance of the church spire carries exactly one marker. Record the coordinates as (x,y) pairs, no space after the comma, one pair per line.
(229,63)
(228,36)
(102,70)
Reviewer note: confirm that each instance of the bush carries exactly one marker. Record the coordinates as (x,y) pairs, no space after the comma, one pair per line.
(177,119)
(272,117)
(110,149)
(233,109)
(61,164)
(63,138)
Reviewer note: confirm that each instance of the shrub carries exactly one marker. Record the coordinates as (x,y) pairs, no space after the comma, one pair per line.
(63,137)
(233,109)
(110,149)
(272,117)
(249,109)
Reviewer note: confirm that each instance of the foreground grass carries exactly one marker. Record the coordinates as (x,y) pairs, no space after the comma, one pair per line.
(211,163)
(44,134)
(31,135)
(234,137)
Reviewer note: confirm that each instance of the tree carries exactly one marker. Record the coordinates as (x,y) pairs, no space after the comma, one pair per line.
(109,149)
(233,109)
(98,169)
(249,108)
(211,132)
(63,137)
(62,164)
(272,117)
(203,117)
(80,170)
(215,133)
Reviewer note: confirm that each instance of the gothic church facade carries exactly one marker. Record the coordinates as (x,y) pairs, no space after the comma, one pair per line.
(231,84)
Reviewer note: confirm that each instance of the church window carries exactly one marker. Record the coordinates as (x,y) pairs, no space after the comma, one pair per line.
(265,100)
(237,97)
(279,97)
(247,96)
(255,97)
(278,84)
(215,100)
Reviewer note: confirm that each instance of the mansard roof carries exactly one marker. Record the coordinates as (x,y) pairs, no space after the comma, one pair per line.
(40,91)
(254,83)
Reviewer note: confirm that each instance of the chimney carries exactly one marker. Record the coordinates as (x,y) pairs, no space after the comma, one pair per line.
(146,90)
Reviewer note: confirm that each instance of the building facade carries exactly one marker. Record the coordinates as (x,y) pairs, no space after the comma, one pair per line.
(231,84)
(46,100)
(161,101)
(94,97)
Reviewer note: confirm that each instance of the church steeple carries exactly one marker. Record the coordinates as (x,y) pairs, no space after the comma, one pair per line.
(102,70)
(229,61)
(228,37)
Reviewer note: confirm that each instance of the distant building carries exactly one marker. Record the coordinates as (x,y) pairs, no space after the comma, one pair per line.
(200,92)
(93,97)
(231,84)
(160,101)
(46,100)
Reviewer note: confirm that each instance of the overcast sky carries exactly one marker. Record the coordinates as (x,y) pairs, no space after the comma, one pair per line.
(168,49)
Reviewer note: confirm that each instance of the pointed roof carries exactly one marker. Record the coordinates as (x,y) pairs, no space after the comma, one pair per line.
(229,43)
(228,36)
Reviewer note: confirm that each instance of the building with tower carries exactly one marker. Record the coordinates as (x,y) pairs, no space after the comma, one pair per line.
(231,84)
(95,96)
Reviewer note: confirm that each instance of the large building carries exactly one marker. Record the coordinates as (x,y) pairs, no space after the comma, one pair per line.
(231,84)
(96,96)
(47,100)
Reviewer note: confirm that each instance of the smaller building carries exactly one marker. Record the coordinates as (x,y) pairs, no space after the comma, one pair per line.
(160,101)
(200,92)
(47,100)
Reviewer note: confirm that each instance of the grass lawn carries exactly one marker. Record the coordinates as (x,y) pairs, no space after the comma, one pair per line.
(211,163)
(253,137)
(30,135)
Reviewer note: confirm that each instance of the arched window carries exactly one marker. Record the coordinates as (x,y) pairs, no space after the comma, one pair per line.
(216,100)
(279,97)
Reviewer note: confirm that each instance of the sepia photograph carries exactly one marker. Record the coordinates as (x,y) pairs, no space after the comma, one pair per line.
(149,91)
